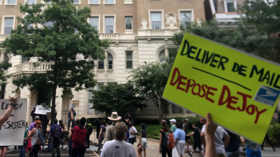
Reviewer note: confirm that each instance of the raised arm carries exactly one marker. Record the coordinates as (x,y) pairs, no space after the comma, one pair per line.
(210,130)
(226,140)
(8,112)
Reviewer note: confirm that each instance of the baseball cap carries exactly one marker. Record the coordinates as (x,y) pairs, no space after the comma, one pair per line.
(173,120)
(187,119)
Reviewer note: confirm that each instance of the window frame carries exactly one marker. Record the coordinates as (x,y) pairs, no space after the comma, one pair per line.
(104,22)
(78,2)
(104,2)
(127,60)
(89,2)
(103,64)
(131,23)
(109,60)
(186,10)
(35,2)
(98,25)
(234,4)
(6,2)
(162,18)
(3,23)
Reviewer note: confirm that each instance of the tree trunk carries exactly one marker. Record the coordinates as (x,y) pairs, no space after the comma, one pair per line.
(54,93)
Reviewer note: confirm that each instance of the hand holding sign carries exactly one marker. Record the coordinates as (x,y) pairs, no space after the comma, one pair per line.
(8,112)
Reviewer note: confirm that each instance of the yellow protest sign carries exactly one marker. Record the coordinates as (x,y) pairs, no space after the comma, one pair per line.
(240,90)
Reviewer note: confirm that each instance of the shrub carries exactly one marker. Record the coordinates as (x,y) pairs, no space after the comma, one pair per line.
(152,129)
(273,131)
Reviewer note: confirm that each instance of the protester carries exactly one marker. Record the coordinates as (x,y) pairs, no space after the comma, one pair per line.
(202,134)
(210,130)
(132,132)
(101,134)
(179,139)
(98,125)
(62,133)
(70,140)
(110,130)
(8,112)
(32,125)
(25,140)
(127,119)
(187,138)
(173,125)
(196,137)
(232,149)
(89,132)
(35,140)
(221,141)
(118,147)
(143,138)
(252,149)
(3,151)
(268,140)
(55,136)
(162,148)
(78,136)
(70,118)
(33,115)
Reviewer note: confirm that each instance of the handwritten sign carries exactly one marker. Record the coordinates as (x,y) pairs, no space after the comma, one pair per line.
(76,102)
(12,131)
(42,110)
(240,90)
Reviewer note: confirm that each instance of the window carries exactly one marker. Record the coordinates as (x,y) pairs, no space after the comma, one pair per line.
(176,109)
(94,1)
(161,56)
(230,7)
(76,2)
(110,61)
(109,23)
(25,59)
(30,2)
(100,64)
(90,104)
(128,22)
(94,22)
(156,20)
(9,22)
(185,17)
(30,26)
(129,63)
(11,2)
(109,1)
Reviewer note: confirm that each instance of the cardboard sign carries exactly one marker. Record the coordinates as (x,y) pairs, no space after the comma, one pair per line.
(240,90)
(76,102)
(72,106)
(49,115)
(12,131)
(42,110)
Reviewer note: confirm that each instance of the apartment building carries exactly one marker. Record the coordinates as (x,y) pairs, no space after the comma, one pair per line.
(138,31)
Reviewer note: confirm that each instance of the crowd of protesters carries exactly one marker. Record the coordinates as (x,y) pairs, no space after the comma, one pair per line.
(119,136)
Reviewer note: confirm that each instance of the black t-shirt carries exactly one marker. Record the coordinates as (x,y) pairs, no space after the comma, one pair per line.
(233,144)
(98,126)
(196,135)
(163,137)
(129,119)
(144,133)
(186,129)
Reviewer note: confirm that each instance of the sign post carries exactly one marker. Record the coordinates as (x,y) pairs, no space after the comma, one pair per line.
(12,131)
(240,90)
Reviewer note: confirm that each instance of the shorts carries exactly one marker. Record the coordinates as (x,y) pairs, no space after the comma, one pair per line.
(187,139)
(180,146)
(144,142)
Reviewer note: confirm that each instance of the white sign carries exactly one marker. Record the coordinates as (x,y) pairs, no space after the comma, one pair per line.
(42,110)
(72,106)
(12,131)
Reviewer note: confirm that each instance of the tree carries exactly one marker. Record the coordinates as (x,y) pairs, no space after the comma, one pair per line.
(61,32)
(149,81)
(117,97)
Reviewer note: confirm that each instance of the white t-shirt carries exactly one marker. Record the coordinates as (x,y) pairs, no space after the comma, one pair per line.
(132,129)
(219,135)
(116,148)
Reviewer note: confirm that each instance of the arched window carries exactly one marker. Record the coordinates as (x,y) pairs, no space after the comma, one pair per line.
(161,56)
(110,61)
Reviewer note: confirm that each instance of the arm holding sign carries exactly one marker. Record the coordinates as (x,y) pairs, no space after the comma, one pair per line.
(210,130)
(8,113)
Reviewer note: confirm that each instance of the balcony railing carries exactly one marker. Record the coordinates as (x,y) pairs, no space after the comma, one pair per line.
(3,37)
(109,36)
(30,67)
(157,32)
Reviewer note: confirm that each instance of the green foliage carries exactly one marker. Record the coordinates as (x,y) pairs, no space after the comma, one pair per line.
(58,44)
(274,132)
(150,80)
(3,78)
(121,98)
(138,121)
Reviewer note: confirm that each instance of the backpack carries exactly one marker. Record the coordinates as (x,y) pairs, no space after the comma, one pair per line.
(79,135)
(41,137)
(57,132)
(168,140)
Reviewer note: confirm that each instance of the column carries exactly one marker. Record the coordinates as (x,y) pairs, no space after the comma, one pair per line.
(166,52)
(2,56)
(106,65)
